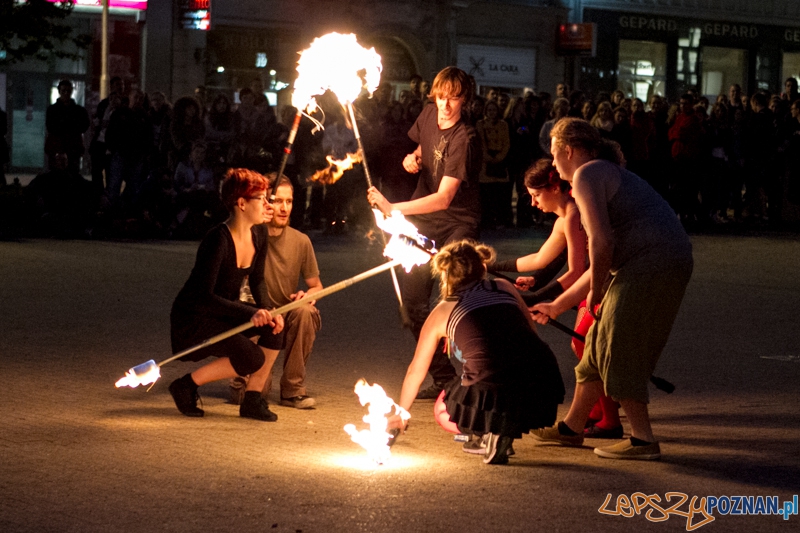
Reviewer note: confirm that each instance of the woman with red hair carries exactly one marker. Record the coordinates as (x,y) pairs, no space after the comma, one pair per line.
(209,302)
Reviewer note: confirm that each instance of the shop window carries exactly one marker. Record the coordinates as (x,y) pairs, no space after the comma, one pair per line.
(767,72)
(721,68)
(688,47)
(791,66)
(642,68)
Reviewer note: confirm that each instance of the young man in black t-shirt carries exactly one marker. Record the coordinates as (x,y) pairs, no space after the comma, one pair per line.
(445,206)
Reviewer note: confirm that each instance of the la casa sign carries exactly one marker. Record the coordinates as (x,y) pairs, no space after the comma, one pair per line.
(498,65)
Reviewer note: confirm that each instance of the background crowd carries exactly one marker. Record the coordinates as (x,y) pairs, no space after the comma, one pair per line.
(155,166)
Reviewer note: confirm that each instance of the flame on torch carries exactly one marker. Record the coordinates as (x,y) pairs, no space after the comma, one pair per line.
(335,169)
(375,439)
(143,374)
(337,63)
(407,245)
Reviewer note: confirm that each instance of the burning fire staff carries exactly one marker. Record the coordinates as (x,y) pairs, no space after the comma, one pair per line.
(640,264)
(209,301)
(510,381)
(446,203)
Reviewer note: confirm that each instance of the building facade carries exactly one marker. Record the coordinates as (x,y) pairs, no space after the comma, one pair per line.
(665,47)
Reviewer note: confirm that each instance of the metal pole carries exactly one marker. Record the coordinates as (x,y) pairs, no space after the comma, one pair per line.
(104,53)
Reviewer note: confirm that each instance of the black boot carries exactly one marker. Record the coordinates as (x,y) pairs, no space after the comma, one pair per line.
(255,406)
(184,392)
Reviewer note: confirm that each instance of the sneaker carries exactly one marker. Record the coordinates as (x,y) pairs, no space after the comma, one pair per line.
(477,446)
(596,432)
(497,449)
(254,406)
(626,450)
(299,402)
(552,434)
(236,389)
(185,395)
(431,393)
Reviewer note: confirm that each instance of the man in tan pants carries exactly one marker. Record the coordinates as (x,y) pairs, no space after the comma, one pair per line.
(290,256)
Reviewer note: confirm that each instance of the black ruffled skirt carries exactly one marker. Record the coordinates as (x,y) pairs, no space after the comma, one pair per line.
(509,410)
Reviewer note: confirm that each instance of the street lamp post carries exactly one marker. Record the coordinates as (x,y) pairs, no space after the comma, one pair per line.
(104,53)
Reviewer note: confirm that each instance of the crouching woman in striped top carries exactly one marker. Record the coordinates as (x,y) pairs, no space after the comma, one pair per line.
(510,382)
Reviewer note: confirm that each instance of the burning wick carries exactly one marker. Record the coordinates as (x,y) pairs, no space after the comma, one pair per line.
(407,245)
(375,439)
(143,374)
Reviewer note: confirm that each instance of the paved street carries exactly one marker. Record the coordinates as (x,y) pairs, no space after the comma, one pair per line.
(78,455)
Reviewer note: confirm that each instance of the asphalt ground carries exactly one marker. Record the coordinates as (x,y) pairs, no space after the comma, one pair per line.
(77,454)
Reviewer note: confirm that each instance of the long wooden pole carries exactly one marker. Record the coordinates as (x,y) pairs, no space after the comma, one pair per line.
(336,287)
(403,313)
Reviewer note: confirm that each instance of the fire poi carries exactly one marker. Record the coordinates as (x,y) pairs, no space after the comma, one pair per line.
(406,248)
(375,439)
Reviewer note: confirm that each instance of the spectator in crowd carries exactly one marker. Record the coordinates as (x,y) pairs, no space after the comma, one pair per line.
(621,131)
(128,142)
(220,130)
(503,102)
(397,184)
(562,91)
(560,110)
(201,95)
(159,115)
(66,122)
(97,149)
(576,101)
(734,99)
(404,97)
(716,187)
(424,91)
(588,109)
(186,127)
(252,130)
(415,85)
(686,137)
(793,158)
(413,110)
(790,93)
(643,141)
(197,201)
(476,111)
(523,133)
(60,202)
(760,171)
(494,184)
(603,118)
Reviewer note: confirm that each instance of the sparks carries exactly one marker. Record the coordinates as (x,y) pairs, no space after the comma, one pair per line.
(375,439)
